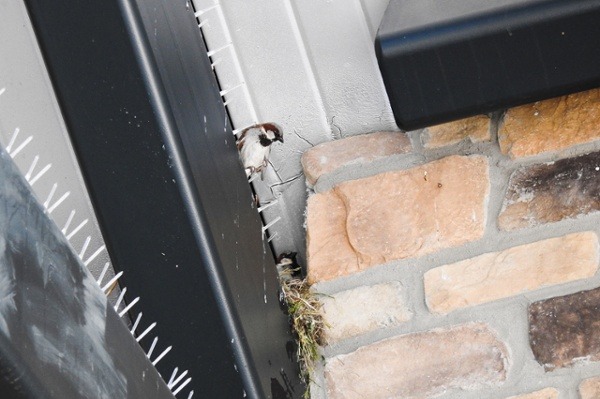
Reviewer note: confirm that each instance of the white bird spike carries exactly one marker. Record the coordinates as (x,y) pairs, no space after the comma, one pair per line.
(201,24)
(111,281)
(224,92)
(13,138)
(163,354)
(104,270)
(146,331)
(2,90)
(32,167)
(21,146)
(175,392)
(236,131)
(137,322)
(68,223)
(120,299)
(268,205)
(190,395)
(215,51)
(128,307)
(76,229)
(270,224)
(154,341)
(86,243)
(40,174)
(273,236)
(172,383)
(173,374)
(94,255)
(52,191)
(226,103)
(198,13)
(214,64)
(59,201)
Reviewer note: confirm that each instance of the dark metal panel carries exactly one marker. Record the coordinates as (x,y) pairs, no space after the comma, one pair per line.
(447,60)
(59,336)
(155,146)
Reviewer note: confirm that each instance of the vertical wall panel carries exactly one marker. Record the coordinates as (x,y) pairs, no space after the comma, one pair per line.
(343,55)
(374,10)
(308,65)
(271,58)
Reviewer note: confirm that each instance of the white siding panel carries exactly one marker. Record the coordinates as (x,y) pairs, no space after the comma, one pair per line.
(273,61)
(267,53)
(308,65)
(343,57)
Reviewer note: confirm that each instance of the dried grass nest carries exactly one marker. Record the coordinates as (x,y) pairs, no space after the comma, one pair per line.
(304,310)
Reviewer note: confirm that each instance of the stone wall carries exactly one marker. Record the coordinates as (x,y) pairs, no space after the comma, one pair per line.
(461,261)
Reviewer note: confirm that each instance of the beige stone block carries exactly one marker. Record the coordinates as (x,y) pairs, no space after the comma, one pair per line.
(327,157)
(476,129)
(396,215)
(548,393)
(330,251)
(590,388)
(510,272)
(420,365)
(363,309)
(551,125)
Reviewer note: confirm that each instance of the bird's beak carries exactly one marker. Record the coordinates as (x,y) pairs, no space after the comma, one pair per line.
(280,138)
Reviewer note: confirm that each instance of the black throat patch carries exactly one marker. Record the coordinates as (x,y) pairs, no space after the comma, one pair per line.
(264,140)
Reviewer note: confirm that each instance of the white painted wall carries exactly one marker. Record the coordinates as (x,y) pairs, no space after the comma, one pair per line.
(308,65)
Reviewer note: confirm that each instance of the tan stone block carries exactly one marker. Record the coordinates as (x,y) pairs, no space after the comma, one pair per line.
(590,388)
(420,365)
(396,215)
(330,253)
(548,393)
(510,272)
(551,125)
(363,309)
(329,156)
(476,129)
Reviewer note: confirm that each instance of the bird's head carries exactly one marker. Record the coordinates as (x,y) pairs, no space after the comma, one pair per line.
(271,133)
(287,259)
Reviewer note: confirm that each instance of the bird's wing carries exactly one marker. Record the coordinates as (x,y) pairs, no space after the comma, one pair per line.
(240,143)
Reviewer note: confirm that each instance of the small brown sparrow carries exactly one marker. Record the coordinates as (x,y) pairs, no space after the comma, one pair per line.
(254,146)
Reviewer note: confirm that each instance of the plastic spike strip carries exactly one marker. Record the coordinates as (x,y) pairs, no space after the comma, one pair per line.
(218,10)
(226,92)
(172,384)
(49,207)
